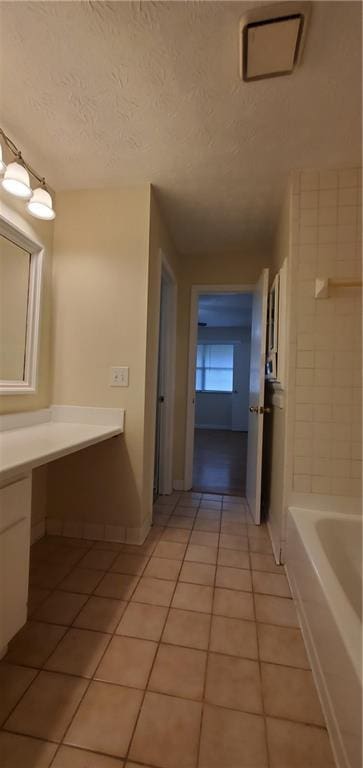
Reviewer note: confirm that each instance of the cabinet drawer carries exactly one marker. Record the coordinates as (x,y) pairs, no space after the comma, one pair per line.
(15,502)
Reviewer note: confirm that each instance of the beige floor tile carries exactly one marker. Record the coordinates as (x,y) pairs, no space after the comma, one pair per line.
(117,585)
(234,682)
(81,580)
(24,752)
(229,541)
(236,528)
(233,558)
(71,757)
(209,514)
(291,694)
(233,604)
(282,645)
(159,518)
(233,578)
(48,706)
(204,539)
(36,597)
(34,643)
(260,545)
(47,575)
(100,559)
(190,502)
(198,573)
(13,682)
(211,504)
(100,613)
(298,746)
(127,661)
(154,591)
(211,526)
(78,653)
(106,719)
(193,597)
(179,521)
(136,765)
(111,545)
(173,550)
(163,568)
(60,608)
(271,584)
(260,562)
(167,732)
(187,628)
(185,512)
(234,636)
(232,740)
(131,564)
(276,610)
(178,535)
(200,554)
(179,672)
(259,532)
(143,621)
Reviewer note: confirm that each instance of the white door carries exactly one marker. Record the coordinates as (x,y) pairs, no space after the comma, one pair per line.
(257,396)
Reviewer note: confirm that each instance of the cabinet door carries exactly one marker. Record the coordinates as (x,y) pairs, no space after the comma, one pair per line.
(14,558)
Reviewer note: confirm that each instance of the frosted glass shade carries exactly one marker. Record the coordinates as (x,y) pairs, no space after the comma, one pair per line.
(40,204)
(16,181)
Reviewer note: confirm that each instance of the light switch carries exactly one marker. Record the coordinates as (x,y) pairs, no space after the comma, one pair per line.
(119,376)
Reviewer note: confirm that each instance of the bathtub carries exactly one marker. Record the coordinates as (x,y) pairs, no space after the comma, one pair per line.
(324,568)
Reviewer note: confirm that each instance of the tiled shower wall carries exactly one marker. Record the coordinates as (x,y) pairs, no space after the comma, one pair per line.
(325,352)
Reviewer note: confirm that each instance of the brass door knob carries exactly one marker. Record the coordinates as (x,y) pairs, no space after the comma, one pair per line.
(261,409)
(253,409)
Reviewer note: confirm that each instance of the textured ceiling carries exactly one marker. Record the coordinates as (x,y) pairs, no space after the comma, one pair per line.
(115,93)
(225,309)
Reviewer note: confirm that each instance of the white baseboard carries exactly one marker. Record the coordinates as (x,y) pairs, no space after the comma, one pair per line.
(227,427)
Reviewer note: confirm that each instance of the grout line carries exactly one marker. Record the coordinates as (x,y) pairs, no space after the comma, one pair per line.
(153,664)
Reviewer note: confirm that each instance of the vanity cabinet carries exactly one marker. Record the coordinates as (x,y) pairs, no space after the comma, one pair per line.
(15,507)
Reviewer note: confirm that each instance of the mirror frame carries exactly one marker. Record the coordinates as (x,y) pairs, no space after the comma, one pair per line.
(29,384)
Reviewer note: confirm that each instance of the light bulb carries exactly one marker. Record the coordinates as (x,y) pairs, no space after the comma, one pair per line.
(40,204)
(16,181)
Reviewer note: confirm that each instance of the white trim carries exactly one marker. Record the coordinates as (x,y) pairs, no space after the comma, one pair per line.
(196,291)
(168,339)
(226,428)
(28,385)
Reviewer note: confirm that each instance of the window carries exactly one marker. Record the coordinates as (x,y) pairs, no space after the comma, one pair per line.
(214,372)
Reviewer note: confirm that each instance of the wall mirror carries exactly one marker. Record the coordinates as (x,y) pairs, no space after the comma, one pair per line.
(20,286)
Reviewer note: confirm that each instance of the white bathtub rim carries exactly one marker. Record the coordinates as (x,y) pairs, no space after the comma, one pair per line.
(343,613)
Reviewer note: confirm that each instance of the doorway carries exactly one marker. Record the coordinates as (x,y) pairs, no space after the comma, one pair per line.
(222,392)
(163,457)
(256,409)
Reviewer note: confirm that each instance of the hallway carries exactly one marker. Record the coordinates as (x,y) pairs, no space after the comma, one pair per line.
(220,459)
(184,652)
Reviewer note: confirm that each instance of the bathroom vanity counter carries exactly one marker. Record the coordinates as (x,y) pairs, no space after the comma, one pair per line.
(55,432)
(28,440)
(29,447)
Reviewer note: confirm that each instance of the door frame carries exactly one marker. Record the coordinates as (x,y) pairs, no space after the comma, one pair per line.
(167,338)
(196,291)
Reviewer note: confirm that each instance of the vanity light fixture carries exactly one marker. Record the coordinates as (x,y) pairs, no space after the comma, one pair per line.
(16,181)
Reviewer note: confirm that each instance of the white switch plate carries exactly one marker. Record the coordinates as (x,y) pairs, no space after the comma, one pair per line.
(119,376)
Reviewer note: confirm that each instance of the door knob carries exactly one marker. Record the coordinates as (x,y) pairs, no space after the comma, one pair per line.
(253,409)
(262,409)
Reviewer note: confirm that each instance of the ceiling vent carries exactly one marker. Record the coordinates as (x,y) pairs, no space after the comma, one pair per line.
(271,39)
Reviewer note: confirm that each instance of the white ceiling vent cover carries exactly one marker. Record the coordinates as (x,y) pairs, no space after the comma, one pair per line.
(271,39)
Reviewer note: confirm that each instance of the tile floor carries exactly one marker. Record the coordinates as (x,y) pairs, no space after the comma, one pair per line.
(184,652)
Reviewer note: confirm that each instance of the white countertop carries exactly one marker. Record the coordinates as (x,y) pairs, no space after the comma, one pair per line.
(27,447)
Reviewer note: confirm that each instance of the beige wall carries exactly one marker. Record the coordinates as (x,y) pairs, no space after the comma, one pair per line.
(14,210)
(106,305)
(204,269)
